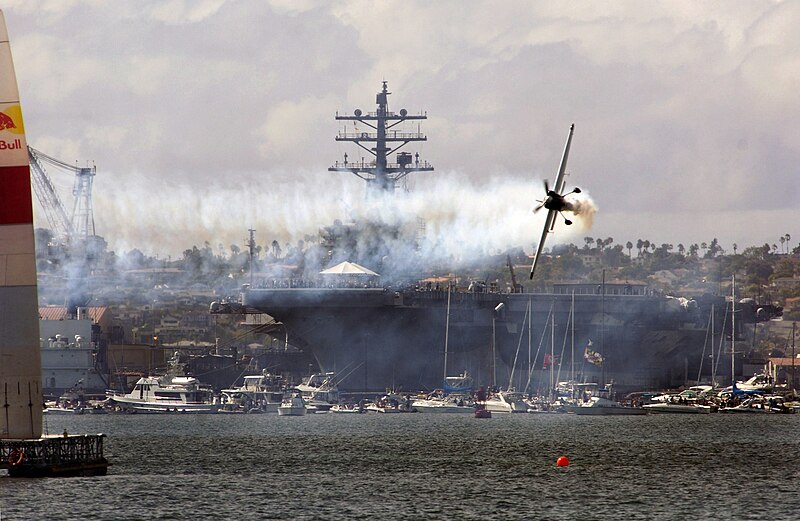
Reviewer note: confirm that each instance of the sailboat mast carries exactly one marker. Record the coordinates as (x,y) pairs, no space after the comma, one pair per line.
(794,325)
(446,337)
(572,346)
(733,326)
(552,350)
(603,329)
(713,372)
(530,320)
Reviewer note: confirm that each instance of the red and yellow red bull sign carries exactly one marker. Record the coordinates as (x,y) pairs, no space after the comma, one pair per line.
(11,122)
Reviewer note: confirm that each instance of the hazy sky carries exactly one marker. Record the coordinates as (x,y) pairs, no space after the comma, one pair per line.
(206,118)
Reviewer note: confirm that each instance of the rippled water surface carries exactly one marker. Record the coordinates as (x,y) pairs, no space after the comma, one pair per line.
(420,466)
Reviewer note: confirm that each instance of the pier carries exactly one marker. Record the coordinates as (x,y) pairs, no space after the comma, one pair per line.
(54,456)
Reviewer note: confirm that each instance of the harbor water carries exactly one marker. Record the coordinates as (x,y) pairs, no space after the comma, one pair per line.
(423,466)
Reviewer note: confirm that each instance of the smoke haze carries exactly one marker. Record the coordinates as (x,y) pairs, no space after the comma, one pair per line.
(462,219)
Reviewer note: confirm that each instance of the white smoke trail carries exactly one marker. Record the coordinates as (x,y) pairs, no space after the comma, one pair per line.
(463,219)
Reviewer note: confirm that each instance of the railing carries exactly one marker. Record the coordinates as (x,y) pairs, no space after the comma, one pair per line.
(373,136)
(49,451)
(363,165)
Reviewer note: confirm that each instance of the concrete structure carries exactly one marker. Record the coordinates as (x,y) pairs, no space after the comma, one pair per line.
(73,349)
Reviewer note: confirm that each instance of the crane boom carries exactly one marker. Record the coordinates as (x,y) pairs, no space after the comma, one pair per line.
(48,197)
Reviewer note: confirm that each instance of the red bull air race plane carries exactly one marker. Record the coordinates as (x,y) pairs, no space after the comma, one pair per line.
(555,201)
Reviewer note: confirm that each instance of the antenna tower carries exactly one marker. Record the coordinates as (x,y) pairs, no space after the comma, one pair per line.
(375,133)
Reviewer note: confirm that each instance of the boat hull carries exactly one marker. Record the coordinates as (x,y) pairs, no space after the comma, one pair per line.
(395,339)
(292,411)
(161,407)
(662,408)
(609,411)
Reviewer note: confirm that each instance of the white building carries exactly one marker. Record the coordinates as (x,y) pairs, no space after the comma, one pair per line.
(68,353)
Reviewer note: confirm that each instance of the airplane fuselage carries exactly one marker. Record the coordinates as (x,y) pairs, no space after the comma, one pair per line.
(555,202)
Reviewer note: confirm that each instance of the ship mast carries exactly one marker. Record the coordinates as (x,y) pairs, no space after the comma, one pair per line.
(378,128)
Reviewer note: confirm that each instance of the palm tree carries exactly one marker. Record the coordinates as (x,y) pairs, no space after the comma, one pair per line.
(629,245)
(639,246)
(783,241)
(681,248)
(734,248)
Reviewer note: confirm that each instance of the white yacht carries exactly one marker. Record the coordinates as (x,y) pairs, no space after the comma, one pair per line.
(506,401)
(293,404)
(258,393)
(438,403)
(320,391)
(153,394)
(599,406)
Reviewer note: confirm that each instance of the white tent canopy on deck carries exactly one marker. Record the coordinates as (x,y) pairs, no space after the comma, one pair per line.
(349,268)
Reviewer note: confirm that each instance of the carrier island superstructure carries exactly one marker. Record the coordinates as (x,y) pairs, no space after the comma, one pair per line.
(393,336)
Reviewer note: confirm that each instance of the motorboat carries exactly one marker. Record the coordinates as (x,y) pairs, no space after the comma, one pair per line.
(160,394)
(258,393)
(58,409)
(506,401)
(760,405)
(438,402)
(320,391)
(391,402)
(759,382)
(348,408)
(688,401)
(293,404)
(600,406)
(481,411)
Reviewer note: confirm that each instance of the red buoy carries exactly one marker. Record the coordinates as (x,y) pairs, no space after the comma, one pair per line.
(562,461)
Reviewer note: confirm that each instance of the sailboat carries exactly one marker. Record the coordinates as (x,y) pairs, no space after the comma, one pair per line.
(508,400)
(454,397)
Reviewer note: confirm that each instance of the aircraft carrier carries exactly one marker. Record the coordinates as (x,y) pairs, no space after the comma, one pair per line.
(396,333)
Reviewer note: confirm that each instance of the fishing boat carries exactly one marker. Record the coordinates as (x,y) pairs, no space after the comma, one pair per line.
(161,394)
(320,391)
(293,404)
(258,393)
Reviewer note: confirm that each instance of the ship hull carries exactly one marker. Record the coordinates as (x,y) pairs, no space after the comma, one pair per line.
(375,338)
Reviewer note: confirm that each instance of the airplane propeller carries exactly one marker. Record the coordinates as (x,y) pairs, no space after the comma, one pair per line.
(546,195)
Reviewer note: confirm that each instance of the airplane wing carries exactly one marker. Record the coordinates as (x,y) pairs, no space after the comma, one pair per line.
(548,223)
(562,168)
